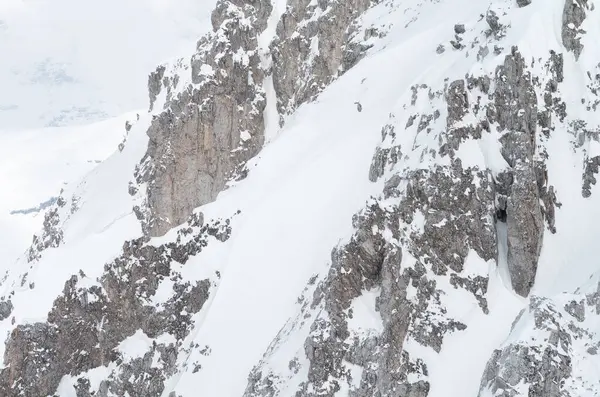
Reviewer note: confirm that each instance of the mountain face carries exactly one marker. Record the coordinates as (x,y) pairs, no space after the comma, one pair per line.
(69,62)
(357,198)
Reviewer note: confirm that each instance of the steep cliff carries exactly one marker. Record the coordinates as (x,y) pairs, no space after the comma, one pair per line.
(368,198)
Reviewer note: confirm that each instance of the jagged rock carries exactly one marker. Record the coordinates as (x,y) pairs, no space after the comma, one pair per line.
(589,175)
(89,320)
(523,3)
(516,113)
(311,48)
(421,213)
(6,308)
(155,84)
(573,16)
(212,127)
(542,362)
(525,230)
(50,237)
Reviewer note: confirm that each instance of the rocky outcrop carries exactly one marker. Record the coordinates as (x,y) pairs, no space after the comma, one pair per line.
(210,128)
(51,235)
(92,317)
(516,107)
(574,14)
(314,45)
(552,348)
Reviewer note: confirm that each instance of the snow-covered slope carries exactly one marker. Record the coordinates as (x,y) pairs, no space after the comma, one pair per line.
(355,198)
(36,164)
(71,62)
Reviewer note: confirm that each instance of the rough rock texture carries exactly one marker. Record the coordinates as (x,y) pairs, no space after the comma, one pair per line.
(421,251)
(210,128)
(314,44)
(555,348)
(573,17)
(587,132)
(51,235)
(410,250)
(415,245)
(92,317)
(523,3)
(516,107)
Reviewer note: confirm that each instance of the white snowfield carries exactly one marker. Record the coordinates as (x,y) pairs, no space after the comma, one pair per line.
(302,189)
(68,62)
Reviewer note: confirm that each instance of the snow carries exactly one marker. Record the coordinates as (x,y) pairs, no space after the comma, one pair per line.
(36,164)
(135,346)
(364,317)
(93,235)
(463,357)
(298,200)
(72,62)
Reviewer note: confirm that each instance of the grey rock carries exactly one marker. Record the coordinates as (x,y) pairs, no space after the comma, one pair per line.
(573,16)
(516,113)
(155,84)
(482,53)
(589,175)
(371,261)
(545,365)
(51,235)
(6,308)
(86,324)
(525,230)
(523,3)
(299,73)
(576,309)
(497,30)
(210,129)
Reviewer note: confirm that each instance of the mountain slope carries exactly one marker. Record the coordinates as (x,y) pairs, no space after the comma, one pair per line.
(71,63)
(330,198)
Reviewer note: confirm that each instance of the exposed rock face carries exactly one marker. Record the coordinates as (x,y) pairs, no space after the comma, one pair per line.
(313,45)
(409,242)
(6,308)
(51,235)
(550,363)
(207,131)
(573,17)
(155,83)
(92,317)
(421,251)
(434,215)
(516,106)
